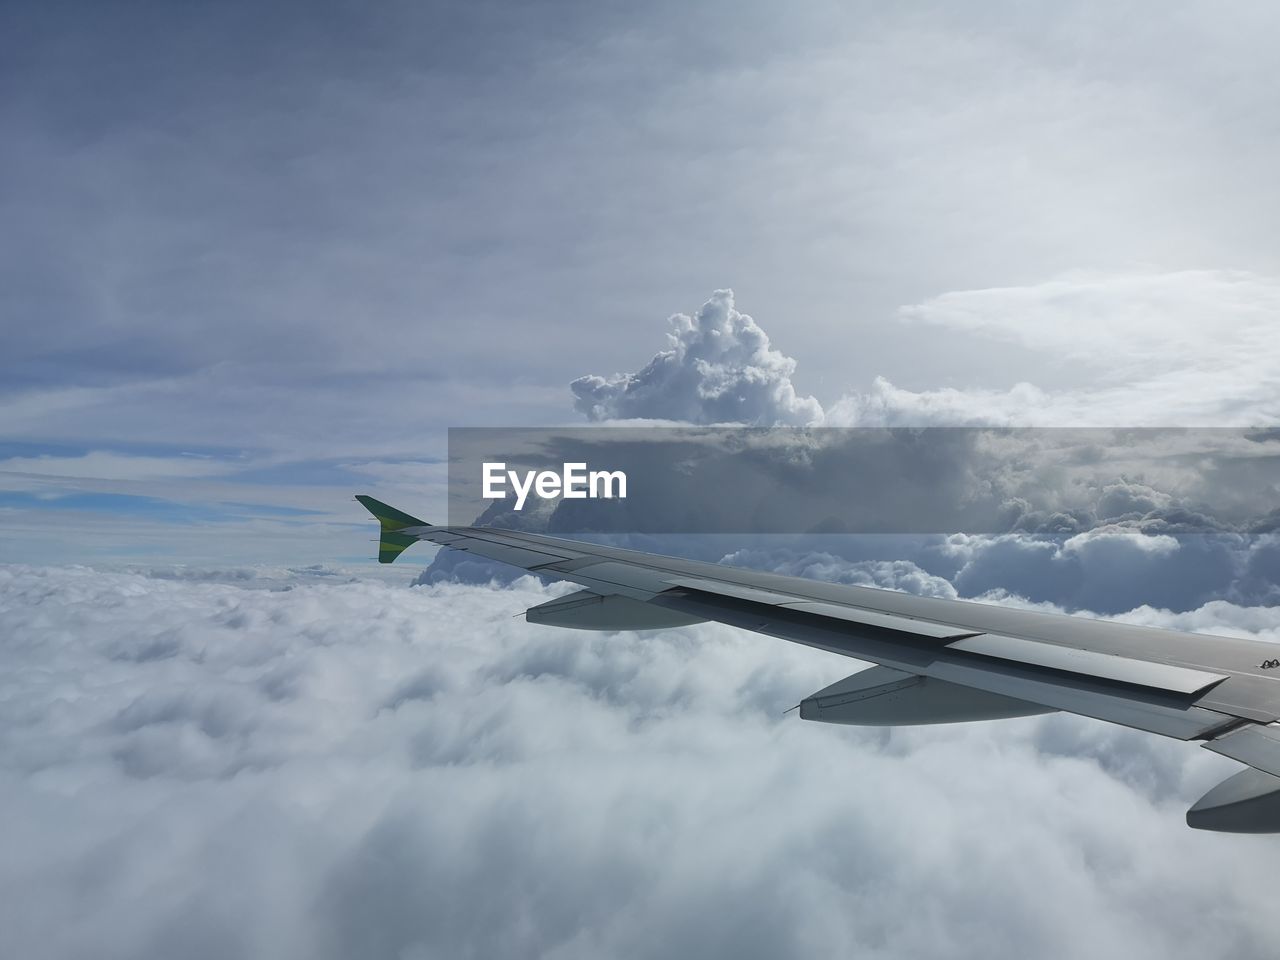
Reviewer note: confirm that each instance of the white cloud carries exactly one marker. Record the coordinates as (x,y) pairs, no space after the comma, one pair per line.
(1178,348)
(886,405)
(720,368)
(1126,324)
(340,769)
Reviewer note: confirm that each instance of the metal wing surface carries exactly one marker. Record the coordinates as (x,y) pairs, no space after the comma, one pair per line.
(939,661)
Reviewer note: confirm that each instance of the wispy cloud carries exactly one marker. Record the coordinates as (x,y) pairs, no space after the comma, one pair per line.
(105,465)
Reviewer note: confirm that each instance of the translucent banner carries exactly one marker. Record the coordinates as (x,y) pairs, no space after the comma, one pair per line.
(703,480)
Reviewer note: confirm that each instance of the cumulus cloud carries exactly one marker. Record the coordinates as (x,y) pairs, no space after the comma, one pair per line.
(1184,348)
(720,367)
(1112,569)
(353,768)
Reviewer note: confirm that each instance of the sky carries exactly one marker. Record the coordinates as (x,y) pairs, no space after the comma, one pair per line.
(253,258)
(257,258)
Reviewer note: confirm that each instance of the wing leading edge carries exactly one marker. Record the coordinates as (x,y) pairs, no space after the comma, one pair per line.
(939,661)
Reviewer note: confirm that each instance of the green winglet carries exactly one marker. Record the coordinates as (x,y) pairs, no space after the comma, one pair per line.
(392,520)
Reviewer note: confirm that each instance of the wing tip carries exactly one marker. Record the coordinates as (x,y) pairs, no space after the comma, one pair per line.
(389,516)
(392,543)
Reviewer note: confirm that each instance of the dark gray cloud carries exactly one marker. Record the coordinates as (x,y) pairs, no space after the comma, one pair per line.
(1107,571)
(1111,570)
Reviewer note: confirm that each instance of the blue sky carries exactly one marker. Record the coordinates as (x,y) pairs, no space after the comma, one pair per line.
(268,255)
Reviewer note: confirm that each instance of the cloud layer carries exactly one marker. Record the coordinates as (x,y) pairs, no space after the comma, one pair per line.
(301,765)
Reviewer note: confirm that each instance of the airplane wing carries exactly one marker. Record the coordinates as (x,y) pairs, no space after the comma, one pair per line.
(939,661)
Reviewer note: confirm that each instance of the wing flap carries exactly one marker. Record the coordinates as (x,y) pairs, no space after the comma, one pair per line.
(1258,745)
(1105,666)
(1143,708)
(737,591)
(1051,656)
(888,621)
(1137,707)
(838,611)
